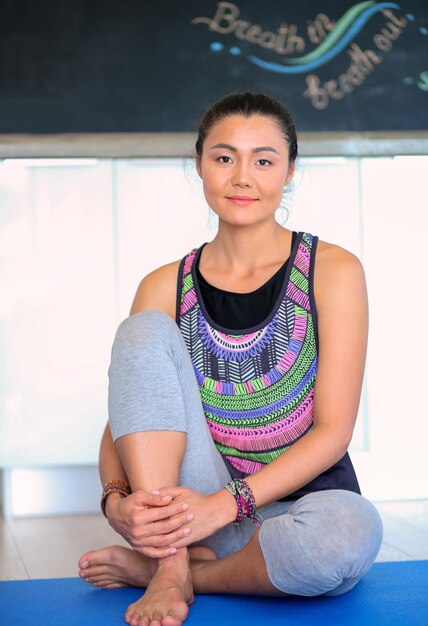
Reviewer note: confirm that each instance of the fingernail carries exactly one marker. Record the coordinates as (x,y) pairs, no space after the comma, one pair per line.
(165,498)
(186,531)
(185,507)
(189,517)
(85,564)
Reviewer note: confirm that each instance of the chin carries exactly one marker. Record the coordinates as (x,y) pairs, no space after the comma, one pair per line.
(245,220)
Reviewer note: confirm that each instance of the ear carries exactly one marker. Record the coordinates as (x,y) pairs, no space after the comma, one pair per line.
(198,166)
(290,173)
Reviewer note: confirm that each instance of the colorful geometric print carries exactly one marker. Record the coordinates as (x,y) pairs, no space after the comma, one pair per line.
(256,388)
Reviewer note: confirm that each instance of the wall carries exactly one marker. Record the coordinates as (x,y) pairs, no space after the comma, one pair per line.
(76,238)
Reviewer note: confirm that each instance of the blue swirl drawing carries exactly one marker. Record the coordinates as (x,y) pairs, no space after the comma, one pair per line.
(346,29)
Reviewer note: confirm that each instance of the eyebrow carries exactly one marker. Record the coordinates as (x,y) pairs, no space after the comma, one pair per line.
(232,149)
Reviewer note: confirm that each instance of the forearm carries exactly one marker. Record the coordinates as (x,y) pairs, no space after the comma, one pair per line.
(306,459)
(110,465)
(303,461)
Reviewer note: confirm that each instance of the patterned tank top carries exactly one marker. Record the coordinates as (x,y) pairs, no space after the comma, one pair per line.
(256,384)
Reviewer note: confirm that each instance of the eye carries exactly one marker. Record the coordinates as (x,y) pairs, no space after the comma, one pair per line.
(224,159)
(264,162)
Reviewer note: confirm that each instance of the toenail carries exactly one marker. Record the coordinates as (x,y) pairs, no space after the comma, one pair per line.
(186,531)
(85,564)
(189,517)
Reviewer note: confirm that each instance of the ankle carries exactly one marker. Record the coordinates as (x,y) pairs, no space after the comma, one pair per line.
(177,560)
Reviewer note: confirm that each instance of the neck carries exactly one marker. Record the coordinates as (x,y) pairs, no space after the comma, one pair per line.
(241,250)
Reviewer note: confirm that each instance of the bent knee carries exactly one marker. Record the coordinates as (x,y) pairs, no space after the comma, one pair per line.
(151,329)
(142,325)
(329,540)
(347,531)
(348,521)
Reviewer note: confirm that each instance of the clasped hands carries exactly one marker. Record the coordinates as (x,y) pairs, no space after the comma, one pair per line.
(157,523)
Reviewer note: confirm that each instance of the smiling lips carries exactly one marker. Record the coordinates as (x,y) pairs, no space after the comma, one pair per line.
(241,200)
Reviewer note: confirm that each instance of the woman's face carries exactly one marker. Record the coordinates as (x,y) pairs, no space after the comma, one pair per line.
(244,168)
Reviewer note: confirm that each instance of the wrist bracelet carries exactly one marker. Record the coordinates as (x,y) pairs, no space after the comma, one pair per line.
(114,486)
(245,501)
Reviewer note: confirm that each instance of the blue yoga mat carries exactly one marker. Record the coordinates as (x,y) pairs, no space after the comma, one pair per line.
(391,594)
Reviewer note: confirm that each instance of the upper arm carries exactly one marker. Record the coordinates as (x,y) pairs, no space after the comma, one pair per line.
(158,290)
(342,308)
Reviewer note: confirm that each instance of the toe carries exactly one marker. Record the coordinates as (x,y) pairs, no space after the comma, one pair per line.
(86,559)
(171,620)
(156,619)
(141,619)
(102,585)
(93,558)
(95,571)
(129,615)
(101,579)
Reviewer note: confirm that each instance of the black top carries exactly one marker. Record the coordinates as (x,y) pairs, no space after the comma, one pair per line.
(245,310)
(241,310)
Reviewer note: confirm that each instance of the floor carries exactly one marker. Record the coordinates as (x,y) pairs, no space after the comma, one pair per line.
(49,547)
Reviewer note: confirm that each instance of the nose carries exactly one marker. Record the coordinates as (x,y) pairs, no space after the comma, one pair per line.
(242,175)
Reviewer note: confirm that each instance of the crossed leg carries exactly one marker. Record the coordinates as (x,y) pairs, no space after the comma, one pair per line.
(169,590)
(322,545)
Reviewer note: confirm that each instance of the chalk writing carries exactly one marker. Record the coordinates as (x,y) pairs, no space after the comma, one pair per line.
(319,28)
(363,63)
(226,21)
(423,81)
(330,38)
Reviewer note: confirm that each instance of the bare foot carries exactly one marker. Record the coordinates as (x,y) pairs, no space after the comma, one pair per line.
(117,566)
(168,596)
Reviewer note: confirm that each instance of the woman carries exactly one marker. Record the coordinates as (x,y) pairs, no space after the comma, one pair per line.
(237,456)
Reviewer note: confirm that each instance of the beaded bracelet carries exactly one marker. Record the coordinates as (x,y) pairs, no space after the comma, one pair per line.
(114,486)
(245,501)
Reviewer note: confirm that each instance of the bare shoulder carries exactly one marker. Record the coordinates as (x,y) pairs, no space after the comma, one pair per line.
(337,273)
(158,290)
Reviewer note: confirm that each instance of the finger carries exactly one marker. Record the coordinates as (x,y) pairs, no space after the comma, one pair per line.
(151,499)
(140,518)
(160,541)
(167,541)
(160,534)
(165,527)
(157,553)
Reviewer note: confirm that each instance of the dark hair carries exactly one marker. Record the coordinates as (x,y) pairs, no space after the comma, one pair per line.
(247,103)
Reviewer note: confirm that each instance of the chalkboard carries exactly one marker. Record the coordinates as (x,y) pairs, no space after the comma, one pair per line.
(102,66)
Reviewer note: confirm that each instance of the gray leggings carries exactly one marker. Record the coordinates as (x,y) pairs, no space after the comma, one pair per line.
(321,544)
